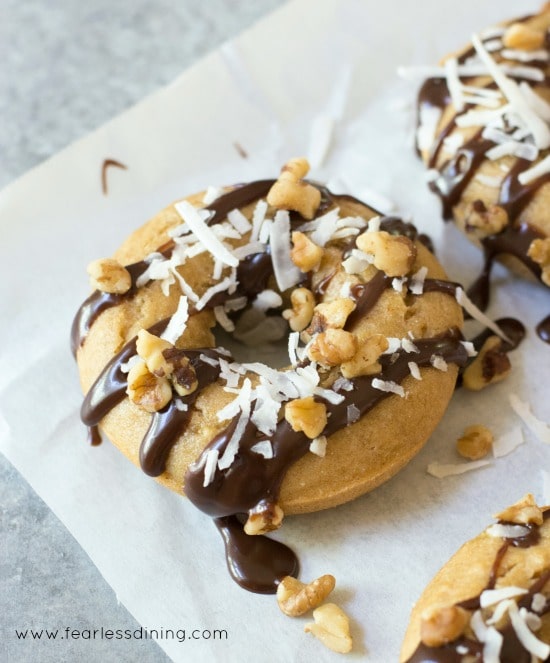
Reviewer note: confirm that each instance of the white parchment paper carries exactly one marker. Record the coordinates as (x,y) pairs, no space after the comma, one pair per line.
(314,58)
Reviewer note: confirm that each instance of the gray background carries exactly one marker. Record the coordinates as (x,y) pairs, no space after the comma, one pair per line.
(67,66)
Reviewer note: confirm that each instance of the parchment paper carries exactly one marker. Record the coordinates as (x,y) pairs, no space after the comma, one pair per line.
(164,559)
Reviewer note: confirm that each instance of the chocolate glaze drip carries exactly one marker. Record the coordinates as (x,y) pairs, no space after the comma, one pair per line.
(543,329)
(513,329)
(108,163)
(251,478)
(512,650)
(256,563)
(366,295)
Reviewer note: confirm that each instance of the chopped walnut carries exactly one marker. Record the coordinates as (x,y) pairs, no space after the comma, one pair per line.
(440,625)
(523,512)
(393,254)
(306,415)
(150,348)
(483,221)
(303,303)
(523,37)
(365,361)
(331,627)
(333,347)
(332,314)
(264,517)
(491,365)
(539,252)
(182,373)
(295,598)
(108,275)
(148,391)
(305,254)
(475,443)
(291,192)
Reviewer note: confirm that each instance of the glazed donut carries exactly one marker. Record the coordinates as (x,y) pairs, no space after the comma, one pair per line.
(484,133)
(503,571)
(371,324)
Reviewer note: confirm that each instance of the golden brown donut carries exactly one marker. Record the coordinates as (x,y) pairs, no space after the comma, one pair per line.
(478,602)
(376,364)
(484,134)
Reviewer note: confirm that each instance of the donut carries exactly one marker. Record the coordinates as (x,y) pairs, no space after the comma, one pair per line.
(484,134)
(490,602)
(371,323)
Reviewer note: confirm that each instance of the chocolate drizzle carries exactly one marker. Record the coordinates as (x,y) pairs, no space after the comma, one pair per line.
(512,650)
(543,329)
(457,172)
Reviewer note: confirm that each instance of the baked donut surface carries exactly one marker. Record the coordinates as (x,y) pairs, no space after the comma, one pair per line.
(484,133)
(489,602)
(374,348)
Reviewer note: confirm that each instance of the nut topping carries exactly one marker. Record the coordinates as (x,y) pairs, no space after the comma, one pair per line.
(393,254)
(148,391)
(331,627)
(290,192)
(523,37)
(305,254)
(333,347)
(299,316)
(539,252)
(264,517)
(108,275)
(306,415)
(523,512)
(475,443)
(442,624)
(491,365)
(365,361)
(295,598)
(483,221)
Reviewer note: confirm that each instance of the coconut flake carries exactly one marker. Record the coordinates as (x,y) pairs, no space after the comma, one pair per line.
(507,442)
(394,344)
(241,252)
(442,470)
(538,427)
(342,383)
(293,342)
(488,180)
(397,284)
(204,233)
(438,362)
(128,365)
(524,56)
(538,603)
(223,320)
(453,84)
(470,348)
(267,299)
(185,287)
(452,144)
(429,117)
(415,371)
(526,637)
(329,395)
(212,194)
(239,221)
(467,304)
(388,386)
(213,290)
(514,149)
(535,101)
(286,272)
(258,217)
(416,285)
(210,461)
(501,531)
(492,596)
(353,414)
(209,360)
(180,405)
(318,446)
(492,645)
(263,448)
(409,346)
(233,445)
(178,322)
(539,169)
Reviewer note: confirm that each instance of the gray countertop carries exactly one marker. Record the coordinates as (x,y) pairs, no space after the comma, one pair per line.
(67,67)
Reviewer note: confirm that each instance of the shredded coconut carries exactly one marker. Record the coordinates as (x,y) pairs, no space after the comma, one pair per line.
(438,362)
(353,413)
(286,272)
(500,531)
(539,169)
(211,459)
(415,371)
(538,427)
(178,322)
(467,304)
(263,448)
(318,446)
(526,637)
(442,470)
(211,194)
(388,386)
(416,285)
(492,596)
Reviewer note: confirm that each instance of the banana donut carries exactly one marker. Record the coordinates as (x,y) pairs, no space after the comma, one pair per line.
(484,133)
(490,602)
(371,324)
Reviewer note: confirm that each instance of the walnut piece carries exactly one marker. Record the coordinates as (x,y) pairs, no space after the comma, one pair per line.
(306,415)
(290,192)
(365,360)
(393,254)
(331,627)
(303,303)
(305,254)
(483,221)
(523,37)
(332,314)
(333,347)
(539,252)
(264,517)
(150,348)
(476,442)
(442,624)
(523,512)
(295,598)
(148,391)
(491,365)
(108,275)
(182,374)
